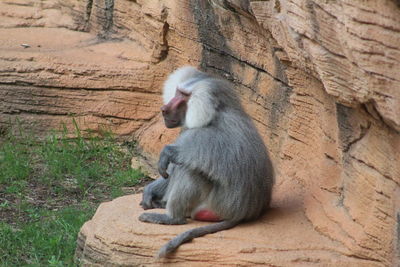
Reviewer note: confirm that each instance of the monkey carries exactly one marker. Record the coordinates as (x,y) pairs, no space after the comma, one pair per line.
(218,169)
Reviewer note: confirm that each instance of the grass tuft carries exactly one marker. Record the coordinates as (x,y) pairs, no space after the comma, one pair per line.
(50,187)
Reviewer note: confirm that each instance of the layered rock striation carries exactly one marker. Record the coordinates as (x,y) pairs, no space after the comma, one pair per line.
(319,78)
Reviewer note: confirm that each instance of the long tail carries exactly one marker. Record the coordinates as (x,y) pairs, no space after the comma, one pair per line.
(193,233)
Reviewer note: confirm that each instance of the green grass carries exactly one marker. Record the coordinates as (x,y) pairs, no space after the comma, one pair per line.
(50,187)
(47,241)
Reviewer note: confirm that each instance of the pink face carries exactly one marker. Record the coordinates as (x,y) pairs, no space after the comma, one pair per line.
(174,111)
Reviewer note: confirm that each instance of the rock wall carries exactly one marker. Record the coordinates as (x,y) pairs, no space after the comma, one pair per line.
(319,78)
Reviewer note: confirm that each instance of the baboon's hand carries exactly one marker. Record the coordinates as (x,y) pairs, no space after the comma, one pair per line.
(150,201)
(168,155)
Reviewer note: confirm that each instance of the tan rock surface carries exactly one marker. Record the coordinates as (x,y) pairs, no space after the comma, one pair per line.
(319,78)
(64,73)
(115,235)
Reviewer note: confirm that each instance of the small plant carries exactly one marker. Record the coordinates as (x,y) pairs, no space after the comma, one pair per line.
(15,163)
(50,187)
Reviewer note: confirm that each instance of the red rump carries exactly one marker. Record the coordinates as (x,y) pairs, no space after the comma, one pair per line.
(207,215)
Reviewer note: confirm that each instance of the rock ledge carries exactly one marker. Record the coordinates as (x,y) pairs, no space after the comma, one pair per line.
(282,237)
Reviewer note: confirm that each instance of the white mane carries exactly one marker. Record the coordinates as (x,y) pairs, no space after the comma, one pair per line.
(201,109)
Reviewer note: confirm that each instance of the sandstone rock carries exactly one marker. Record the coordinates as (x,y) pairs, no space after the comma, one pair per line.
(115,237)
(102,83)
(352,47)
(319,78)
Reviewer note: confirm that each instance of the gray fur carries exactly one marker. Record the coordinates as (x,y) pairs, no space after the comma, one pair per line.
(154,193)
(189,235)
(223,165)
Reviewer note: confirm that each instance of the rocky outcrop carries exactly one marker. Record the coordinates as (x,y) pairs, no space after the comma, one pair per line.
(59,60)
(319,78)
(116,236)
